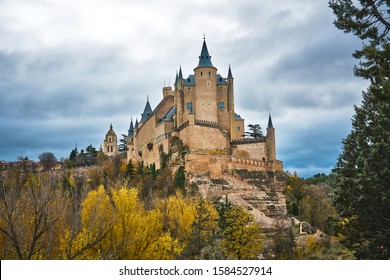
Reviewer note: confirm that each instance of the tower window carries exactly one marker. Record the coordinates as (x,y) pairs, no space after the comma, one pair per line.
(189,106)
(222,105)
(201,73)
(238,128)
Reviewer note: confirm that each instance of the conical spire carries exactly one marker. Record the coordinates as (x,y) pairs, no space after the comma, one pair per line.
(230,76)
(205,58)
(136,124)
(180,74)
(131,129)
(147,112)
(176,79)
(270,122)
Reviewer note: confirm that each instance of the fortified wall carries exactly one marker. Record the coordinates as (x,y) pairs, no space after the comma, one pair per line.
(216,165)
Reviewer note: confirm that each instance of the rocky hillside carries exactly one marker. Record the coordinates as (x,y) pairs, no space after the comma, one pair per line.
(261,193)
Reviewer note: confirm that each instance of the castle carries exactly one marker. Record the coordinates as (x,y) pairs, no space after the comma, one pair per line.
(199,111)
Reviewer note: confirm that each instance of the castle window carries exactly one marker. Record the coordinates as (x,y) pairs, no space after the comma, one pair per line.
(201,73)
(222,105)
(189,106)
(209,74)
(238,128)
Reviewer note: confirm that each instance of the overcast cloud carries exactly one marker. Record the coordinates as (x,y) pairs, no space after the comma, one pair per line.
(70,68)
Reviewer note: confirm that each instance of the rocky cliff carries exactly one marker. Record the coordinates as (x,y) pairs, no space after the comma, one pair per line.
(260,192)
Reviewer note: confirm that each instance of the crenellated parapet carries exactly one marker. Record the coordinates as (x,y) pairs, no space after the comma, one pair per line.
(216,165)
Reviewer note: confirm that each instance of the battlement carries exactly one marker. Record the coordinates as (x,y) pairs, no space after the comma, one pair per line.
(247,141)
(216,165)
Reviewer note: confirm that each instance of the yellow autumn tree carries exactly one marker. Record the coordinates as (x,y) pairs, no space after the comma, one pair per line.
(136,230)
(96,221)
(115,225)
(178,214)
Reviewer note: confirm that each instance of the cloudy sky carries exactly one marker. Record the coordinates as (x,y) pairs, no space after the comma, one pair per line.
(70,68)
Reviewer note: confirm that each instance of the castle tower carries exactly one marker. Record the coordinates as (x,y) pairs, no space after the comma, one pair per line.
(179,98)
(110,143)
(206,88)
(232,124)
(270,138)
(130,141)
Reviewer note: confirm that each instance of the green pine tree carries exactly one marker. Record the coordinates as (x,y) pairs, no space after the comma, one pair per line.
(363,177)
(363,169)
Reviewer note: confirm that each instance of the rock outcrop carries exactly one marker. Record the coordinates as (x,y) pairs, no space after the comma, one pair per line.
(260,192)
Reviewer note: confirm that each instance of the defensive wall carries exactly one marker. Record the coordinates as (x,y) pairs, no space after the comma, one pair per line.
(216,165)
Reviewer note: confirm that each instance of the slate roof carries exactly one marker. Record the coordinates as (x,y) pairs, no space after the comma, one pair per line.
(131,129)
(169,115)
(237,117)
(147,112)
(205,58)
(270,125)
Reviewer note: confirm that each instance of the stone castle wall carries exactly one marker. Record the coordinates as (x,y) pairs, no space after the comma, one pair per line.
(247,149)
(204,138)
(216,165)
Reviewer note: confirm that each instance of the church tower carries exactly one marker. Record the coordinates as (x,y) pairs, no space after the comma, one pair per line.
(205,88)
(110,143)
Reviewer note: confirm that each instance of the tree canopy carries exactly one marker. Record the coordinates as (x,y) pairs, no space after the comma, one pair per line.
(363,169)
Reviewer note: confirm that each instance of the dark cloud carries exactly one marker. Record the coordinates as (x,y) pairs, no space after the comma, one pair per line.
(67,71)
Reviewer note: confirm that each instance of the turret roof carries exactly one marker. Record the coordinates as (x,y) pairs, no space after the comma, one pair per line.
(180,77)
(205,58)
(131,129)
(147,112)
(176,79)
(270,125)
(230,76)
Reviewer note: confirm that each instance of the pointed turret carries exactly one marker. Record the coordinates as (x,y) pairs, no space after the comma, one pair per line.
(176,79)
(234,134)
(230,76)
(131,129)
(270,138)
(270,125)
(180,77)
(147,112)
(205,58)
